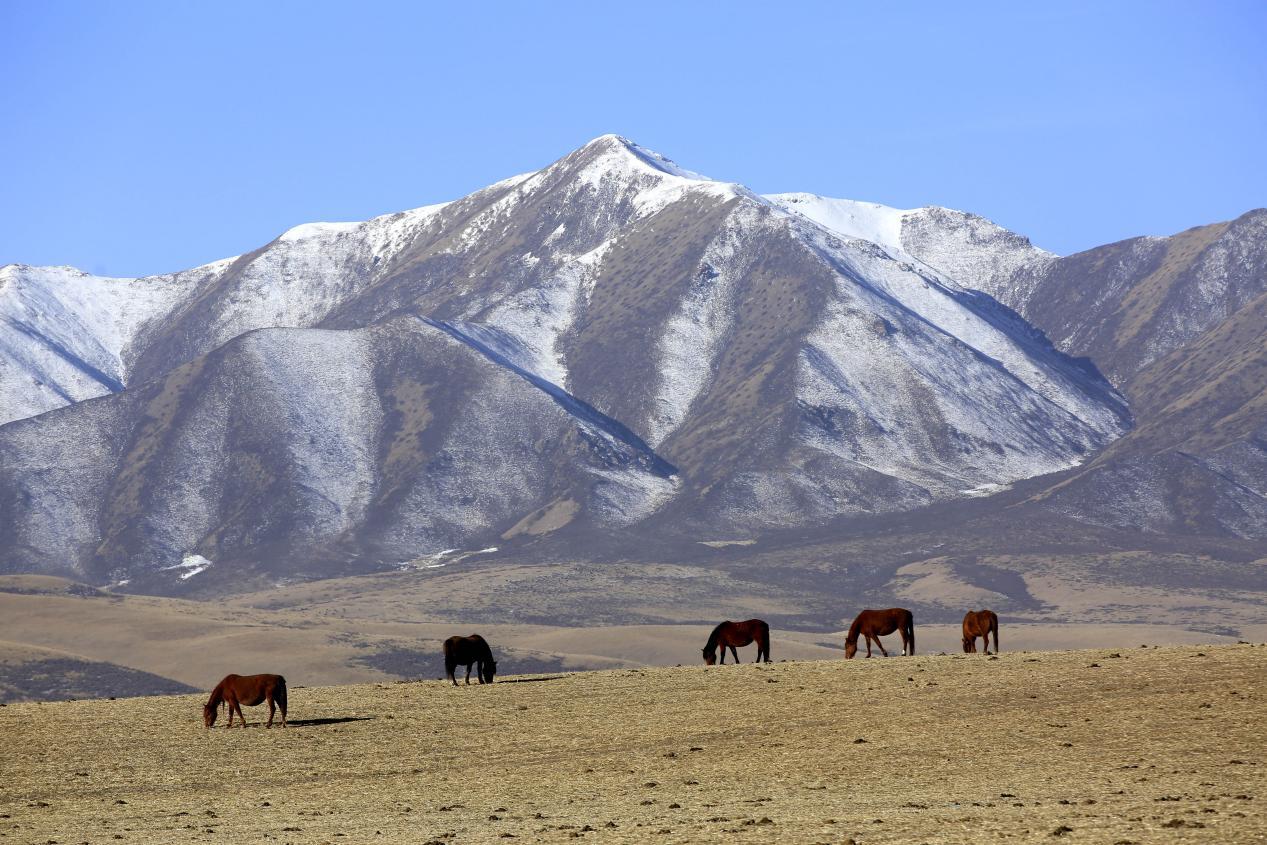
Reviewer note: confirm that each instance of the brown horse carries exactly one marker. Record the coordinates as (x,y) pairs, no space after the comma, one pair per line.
(731,634)
(874,624)
(236,690)
(980,623)
(465,651)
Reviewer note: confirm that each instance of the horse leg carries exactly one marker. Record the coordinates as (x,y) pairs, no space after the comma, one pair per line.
(880,645)
(479,670)
(241,716)
(272,707)
(230,723)
(468,674)
(734,654)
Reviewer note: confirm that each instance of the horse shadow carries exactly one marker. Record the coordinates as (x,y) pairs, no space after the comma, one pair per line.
(316,723)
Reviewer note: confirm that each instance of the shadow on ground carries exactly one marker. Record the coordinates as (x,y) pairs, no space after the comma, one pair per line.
(316,723)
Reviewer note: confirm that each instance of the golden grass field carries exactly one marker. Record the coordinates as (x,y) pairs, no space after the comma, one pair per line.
(1139,745)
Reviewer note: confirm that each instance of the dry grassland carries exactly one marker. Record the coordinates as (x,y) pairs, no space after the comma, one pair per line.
(371,629)
(1140,745)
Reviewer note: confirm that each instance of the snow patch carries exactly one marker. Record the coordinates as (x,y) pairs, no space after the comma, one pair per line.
(189,566)
(314,230)
(868,221)
(437,560)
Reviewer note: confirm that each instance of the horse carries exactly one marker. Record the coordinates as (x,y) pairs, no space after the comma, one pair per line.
(874,624)
(236,690)
(732,634)
(980,623)
(465,651)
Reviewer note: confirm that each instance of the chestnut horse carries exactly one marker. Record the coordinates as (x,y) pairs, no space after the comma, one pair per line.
(874,624)
(236,690)
(466,651)
(731,634)
(980,623)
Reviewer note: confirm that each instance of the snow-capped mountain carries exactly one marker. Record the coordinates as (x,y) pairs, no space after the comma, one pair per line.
(606,341)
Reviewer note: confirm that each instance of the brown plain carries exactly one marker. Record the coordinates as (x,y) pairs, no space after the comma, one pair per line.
(1141,745)
(331,632)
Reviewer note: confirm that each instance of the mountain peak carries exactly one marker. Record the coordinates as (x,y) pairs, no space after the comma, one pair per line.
(619,149)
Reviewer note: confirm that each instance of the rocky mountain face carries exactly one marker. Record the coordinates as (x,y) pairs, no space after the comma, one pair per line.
(1179,324)
(608,343)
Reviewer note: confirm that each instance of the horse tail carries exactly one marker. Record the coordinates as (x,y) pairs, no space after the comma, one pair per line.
(994,628)
(450,658)
(910,631)
(764,628)
(279,695)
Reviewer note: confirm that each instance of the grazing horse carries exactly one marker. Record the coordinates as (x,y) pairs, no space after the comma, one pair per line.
(874,624)
(980,623)
(464,651)
(731,634)
(236,690)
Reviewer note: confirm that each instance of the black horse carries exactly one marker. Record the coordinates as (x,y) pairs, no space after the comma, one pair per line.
(463,651)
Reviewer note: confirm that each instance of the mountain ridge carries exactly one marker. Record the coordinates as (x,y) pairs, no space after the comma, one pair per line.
(666,347)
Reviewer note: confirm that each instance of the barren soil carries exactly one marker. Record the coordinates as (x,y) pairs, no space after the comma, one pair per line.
(1135,745)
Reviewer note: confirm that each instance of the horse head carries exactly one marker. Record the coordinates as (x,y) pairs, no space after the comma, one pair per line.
(710,657)
(969,645)
(490,669)
(209,714)
(851,648)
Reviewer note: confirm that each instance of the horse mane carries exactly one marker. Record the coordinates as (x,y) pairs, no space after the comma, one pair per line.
(854,630)
(217,696)
(711,645)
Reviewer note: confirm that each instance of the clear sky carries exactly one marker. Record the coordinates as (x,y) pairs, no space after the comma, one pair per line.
(147,137)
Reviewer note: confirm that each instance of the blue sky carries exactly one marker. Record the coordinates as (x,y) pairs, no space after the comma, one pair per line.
(149,137)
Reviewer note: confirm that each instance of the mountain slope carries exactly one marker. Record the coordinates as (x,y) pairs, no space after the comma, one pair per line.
(66,336)
(584,345)
(1129,304)
(286,440)
(1180,323)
